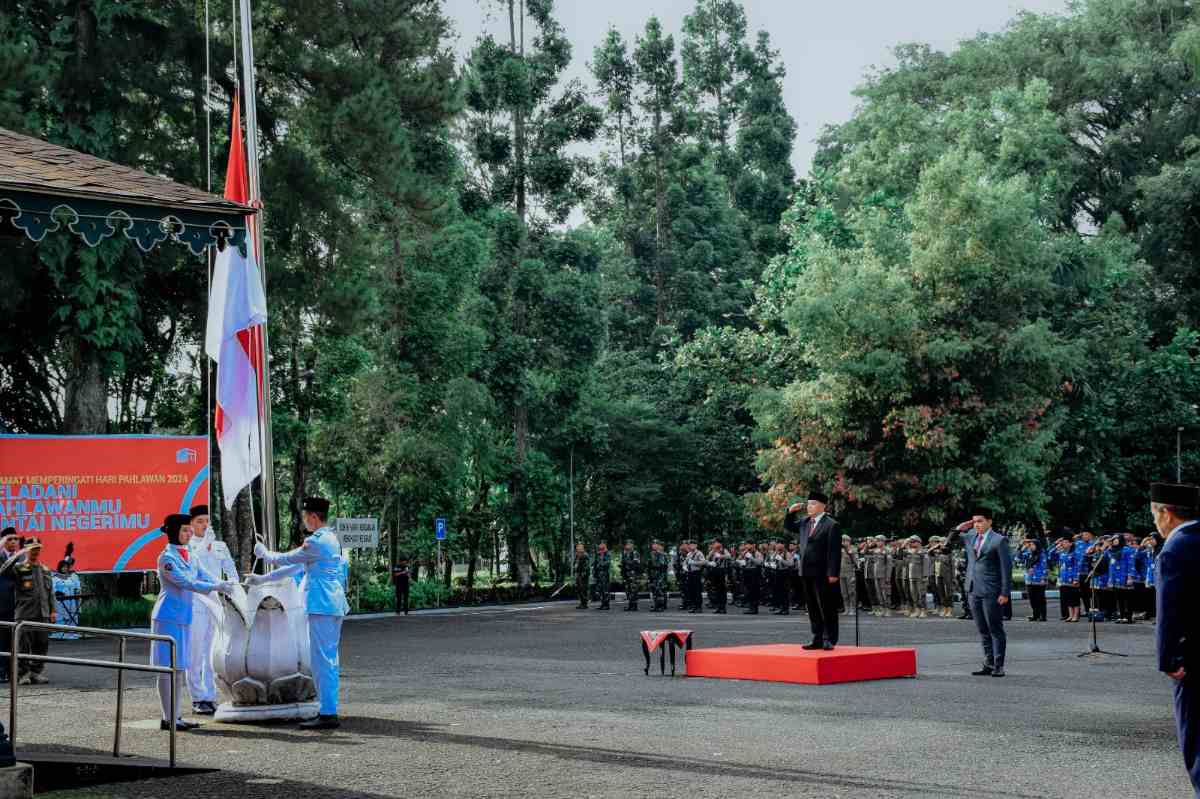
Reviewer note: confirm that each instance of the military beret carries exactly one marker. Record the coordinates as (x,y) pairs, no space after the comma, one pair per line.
(1180,495)
(316,505)
(199,510)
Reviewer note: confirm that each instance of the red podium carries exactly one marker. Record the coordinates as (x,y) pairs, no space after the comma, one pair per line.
(791,663)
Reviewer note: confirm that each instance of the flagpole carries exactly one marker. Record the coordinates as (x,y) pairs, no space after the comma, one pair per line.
(251,105)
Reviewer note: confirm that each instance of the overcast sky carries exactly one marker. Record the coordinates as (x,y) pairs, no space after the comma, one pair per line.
(826,46)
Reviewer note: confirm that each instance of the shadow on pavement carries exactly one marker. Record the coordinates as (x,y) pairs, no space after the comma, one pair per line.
(389,728)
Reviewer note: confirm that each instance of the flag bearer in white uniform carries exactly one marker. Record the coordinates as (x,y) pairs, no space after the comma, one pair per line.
(211,557)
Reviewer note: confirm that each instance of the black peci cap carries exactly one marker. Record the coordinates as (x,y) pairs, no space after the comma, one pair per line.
(199,510)
(1177,494)
(318,505)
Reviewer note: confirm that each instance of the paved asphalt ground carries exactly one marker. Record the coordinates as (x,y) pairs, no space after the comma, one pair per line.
(550,701)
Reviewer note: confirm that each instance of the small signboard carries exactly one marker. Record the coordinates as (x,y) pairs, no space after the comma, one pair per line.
(440,528)
(358,533)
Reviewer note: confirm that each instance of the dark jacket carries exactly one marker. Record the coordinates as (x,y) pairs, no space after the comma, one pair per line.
(820,548)
(1178,630)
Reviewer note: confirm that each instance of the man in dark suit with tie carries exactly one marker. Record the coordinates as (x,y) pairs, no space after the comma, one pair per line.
(989,586)
(820,544)
(1175,509)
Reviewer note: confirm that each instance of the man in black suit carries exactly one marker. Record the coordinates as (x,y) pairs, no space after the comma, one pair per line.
(1175,512)
(820,545)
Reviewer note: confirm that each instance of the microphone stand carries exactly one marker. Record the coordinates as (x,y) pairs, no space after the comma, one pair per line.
(1095,648)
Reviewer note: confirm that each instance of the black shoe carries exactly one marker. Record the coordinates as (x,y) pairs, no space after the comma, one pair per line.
(321,723)
(999,672)
(604,607)
(828,647)
(966,617)
(719,610)
(785,613)
(1031,618)
(750,612)
(986,671)
(695,610)
(203,708)
(180,726)
(814,645)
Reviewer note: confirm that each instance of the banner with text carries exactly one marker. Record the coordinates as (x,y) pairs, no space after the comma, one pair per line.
(106,494)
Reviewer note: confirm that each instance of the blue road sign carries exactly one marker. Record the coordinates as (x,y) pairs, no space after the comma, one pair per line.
(441,529)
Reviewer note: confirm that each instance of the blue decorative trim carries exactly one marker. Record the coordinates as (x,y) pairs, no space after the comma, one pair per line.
(94,220)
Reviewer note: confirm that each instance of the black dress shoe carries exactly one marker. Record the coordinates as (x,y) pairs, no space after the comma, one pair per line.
(828,647)
(180,726)
(814,645)
(750,612)
(986,671)
(203,708)
(785,613)
(997,672)
(321,723)
(719,610)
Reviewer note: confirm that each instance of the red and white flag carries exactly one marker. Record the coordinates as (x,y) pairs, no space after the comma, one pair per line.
(237,312)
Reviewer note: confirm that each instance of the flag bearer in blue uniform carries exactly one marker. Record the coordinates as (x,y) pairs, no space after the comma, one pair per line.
(1174,508)
(178,578)
(324,602)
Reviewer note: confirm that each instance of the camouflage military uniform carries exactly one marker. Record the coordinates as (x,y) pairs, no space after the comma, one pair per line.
(849,579)
(631,573)
(899,578)
(581,569)
(883,579)
(601,573)
(918,569)
(658,580)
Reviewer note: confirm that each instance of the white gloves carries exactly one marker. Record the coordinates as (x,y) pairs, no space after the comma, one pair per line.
(260,549)
(256,579)
(226,586)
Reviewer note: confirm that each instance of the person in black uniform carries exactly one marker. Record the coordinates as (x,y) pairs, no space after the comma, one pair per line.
(401,574)
(820,542)
(1175,510)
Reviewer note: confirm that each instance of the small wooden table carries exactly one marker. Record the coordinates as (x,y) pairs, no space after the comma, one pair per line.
(654,639)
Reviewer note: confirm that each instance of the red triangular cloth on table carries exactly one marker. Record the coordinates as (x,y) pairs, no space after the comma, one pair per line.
(656,638)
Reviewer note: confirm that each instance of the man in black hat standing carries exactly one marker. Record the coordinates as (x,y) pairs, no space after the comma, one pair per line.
(820,543)
(1175,511)
(989,586)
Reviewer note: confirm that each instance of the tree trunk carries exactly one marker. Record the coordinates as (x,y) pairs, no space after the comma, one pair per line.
(86,403)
